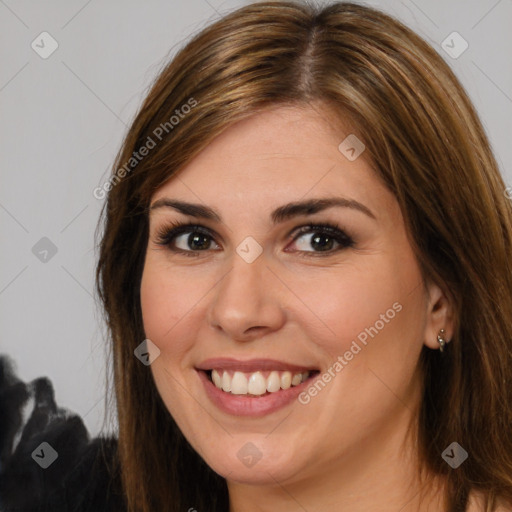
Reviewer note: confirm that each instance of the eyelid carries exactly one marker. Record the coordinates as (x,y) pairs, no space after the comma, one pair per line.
(168,233)
(170,230)
(340,235)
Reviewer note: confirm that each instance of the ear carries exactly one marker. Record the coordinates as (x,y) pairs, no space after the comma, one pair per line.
(439,315)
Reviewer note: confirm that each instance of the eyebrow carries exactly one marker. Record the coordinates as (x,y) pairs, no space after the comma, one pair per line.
(280,214)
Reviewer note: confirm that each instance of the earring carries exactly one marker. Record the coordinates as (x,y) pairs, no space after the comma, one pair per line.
(441,340)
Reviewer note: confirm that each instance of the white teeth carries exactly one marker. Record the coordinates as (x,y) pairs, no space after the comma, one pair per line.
(239,384)
(296,379)
(226,382)
(273,382)
(286,380)
(217,379)
(255,383)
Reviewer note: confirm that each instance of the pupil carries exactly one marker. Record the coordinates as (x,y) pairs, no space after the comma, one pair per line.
(322,246)
(193,238)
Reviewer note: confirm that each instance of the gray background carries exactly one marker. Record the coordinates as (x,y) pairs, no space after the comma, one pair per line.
(63,118)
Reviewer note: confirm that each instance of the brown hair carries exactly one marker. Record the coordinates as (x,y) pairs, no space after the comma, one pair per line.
(424,140)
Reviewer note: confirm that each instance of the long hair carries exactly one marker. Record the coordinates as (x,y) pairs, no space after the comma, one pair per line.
(423,139)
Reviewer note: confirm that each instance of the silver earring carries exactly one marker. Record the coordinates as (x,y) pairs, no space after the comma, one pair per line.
(441,340)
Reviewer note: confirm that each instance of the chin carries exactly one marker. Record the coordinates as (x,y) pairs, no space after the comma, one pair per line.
(246,462)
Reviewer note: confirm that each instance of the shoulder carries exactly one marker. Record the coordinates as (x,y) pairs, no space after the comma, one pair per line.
(47,460)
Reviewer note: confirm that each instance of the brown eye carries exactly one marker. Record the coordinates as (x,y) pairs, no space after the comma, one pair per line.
(188,239)
(194,241)
(322,238)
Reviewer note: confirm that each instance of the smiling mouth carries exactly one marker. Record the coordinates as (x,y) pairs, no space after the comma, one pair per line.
(258,383)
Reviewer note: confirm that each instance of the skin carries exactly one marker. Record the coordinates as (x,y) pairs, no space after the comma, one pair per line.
(347,449)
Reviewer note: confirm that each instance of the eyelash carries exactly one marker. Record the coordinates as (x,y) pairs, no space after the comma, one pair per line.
(167,233)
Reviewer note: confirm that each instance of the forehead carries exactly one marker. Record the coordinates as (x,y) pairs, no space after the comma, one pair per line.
(280,155)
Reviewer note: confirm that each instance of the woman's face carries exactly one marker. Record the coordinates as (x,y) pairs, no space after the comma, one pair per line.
(260,297)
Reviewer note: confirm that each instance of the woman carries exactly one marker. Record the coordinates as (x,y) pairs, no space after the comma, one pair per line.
(305,273)
(280,103)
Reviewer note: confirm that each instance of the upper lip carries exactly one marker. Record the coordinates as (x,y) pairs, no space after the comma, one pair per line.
(250,365)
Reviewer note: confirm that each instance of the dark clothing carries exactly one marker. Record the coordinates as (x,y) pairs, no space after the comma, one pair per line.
(34,433)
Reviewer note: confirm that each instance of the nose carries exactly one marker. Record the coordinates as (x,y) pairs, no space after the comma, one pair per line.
(247,302)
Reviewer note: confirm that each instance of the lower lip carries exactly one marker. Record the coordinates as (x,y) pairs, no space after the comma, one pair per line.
(243,405)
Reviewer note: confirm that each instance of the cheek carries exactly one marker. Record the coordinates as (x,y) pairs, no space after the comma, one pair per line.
(164,305)
(371,318)
(371,315)
(164,313)
(155,304)
(343,305)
